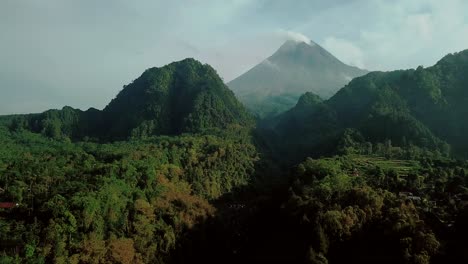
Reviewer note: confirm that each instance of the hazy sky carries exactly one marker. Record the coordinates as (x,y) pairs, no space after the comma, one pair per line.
(81,52)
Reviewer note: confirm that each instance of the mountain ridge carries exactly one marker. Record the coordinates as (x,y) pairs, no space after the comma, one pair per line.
(423,107)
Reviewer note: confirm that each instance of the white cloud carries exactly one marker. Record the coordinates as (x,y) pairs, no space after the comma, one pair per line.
(395,34)
(291,35)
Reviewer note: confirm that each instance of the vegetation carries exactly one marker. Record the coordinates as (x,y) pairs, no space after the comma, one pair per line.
(422,108)
(174,170)
(125,202)
(182,97)
(370,210)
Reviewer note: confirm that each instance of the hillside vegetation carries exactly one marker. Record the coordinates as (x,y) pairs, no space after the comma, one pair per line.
(175,170)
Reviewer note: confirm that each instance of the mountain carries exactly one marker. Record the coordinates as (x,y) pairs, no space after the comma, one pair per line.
(426,108)
(276,84)
(182,97)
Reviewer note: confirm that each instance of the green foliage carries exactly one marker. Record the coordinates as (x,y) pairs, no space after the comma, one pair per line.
(350,212)
(127,202)
(419,110)
(392,196)
(184,96)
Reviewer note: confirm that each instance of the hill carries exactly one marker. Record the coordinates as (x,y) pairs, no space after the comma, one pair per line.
(406,108)
(182,97)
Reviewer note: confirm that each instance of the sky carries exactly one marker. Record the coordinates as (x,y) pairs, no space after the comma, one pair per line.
(81,52)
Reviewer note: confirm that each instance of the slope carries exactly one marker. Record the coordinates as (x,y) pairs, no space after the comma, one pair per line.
(424,108)
(184,96)
(275,85)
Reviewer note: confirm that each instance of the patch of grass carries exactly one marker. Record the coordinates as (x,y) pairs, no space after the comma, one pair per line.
(401,166)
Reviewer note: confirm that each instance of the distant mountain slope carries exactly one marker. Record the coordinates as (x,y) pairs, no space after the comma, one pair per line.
(422,107)
(181,97)
(276,84)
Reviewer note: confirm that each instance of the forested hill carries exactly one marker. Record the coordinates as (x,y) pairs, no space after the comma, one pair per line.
(182,97)
(423,108)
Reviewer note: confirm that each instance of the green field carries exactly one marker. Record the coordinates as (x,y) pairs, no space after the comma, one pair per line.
(401,166)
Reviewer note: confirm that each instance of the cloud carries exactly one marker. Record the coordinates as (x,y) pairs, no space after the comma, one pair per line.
(291,35)
(71,49)
(397,34)
(345,51)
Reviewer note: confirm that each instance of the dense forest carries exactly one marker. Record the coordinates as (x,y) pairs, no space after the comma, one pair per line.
(123,202)
(422,109)
(176,170)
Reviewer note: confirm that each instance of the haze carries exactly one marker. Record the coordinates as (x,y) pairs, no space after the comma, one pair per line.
(80,53)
